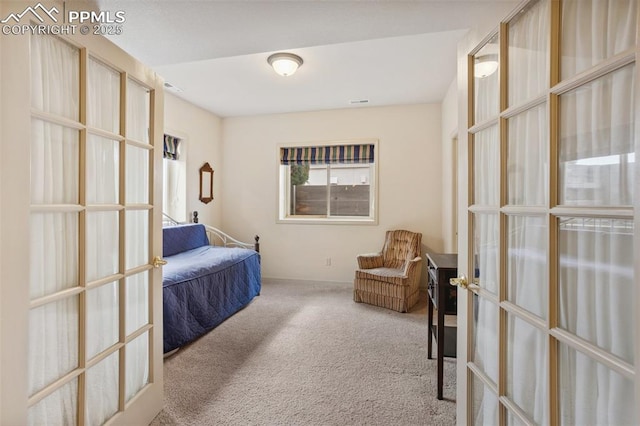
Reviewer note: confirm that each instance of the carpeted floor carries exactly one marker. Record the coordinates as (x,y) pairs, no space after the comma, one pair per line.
(303,353)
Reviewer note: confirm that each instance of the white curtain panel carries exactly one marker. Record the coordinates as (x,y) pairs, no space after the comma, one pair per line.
(174,186)
(53,327)
(486,155)
(59,408)
(102,390)
(527,158)
(137,238)
(596,141)
(596,279)
(527,372)
(54,163)
(55,80)
(103,97)
(594,30)
(527,185)
(527,263)
(485,337)
(137,309)
(102,318)
(138,112)
(527,287)
(103,169)
(596,255)
(137,365)
(529,49)
(102,244)
(487,102)
(137,183)
(485,404)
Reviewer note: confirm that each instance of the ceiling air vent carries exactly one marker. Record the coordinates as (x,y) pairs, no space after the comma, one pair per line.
(359,101)
(171,87)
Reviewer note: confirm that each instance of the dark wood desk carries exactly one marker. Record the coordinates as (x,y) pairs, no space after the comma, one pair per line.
(441,268)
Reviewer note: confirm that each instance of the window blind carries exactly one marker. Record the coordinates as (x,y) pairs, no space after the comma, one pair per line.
(170,147)
(342,154)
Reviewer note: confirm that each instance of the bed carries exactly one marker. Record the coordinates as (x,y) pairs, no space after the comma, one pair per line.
(204,284)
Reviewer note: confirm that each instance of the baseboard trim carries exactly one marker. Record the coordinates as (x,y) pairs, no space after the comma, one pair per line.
(267,280)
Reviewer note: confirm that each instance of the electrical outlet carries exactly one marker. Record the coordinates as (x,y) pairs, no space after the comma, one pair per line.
(328,262)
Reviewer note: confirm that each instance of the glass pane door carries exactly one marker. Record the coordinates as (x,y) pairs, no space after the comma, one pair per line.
(552,146)
(90,324)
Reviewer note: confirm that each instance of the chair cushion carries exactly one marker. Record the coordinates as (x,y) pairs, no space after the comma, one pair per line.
(388,275)
(399,247)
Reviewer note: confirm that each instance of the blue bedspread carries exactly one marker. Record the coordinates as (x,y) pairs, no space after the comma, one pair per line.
(204,286)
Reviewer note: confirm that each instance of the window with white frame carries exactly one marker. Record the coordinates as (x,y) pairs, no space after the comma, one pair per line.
(333,182)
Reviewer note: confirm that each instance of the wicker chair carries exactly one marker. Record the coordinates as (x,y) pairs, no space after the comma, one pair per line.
(391,278)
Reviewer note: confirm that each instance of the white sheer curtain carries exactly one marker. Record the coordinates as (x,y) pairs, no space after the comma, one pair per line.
(53,327)
(487,102)
(596,285)
(486,160)
(486,153)
(527,185)
(103,98)
(102,242)
(137,238)
(597,146)
(596,254)
(137,309)
(102,390)
(55,237)
(55,84)
(594,30)
(174,186)
(137,360)
(529,50)
(527,283)
(137,183)
(138,107)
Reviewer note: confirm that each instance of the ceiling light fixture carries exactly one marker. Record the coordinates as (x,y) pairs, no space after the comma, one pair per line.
(285,64)
(485,66)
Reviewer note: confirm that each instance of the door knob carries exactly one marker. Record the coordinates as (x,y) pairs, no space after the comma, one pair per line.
(158,262)
(461,281)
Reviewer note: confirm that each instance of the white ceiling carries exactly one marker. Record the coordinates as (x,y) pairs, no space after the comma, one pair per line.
(388,52)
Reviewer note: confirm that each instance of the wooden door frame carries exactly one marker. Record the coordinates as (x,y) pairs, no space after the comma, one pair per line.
(15,223)
(455,188)
(464,306)
(636,222)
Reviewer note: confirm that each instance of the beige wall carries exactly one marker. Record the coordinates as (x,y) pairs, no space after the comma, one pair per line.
(201,132)
(409,181)
(449,132)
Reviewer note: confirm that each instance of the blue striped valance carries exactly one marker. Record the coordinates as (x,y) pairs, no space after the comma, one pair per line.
(343,154)
(171,147)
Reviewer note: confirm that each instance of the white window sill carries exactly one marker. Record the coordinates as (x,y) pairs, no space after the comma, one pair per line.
(320,220)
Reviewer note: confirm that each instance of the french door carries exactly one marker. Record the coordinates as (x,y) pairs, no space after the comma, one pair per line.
(548,247)
(81,300)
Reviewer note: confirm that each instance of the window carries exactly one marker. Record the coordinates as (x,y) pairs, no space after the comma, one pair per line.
(334,182)
(174,179)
